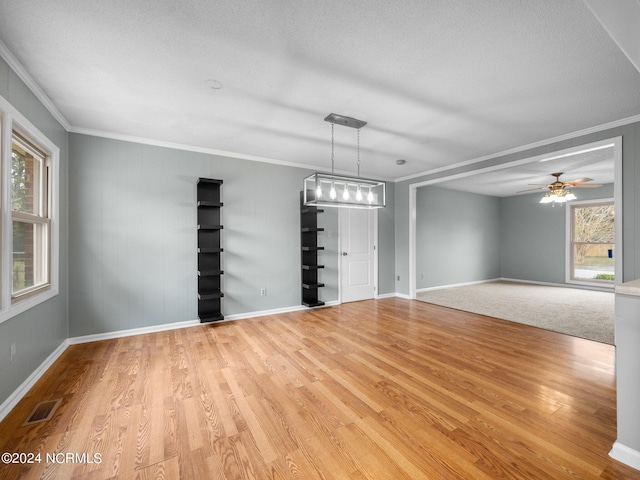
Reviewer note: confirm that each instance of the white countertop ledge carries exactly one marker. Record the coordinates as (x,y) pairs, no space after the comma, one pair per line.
(629,288)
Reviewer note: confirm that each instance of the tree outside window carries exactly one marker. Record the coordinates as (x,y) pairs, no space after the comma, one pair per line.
(593,240)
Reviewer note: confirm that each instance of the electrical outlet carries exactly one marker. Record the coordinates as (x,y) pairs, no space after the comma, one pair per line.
(13,352)
(263,292)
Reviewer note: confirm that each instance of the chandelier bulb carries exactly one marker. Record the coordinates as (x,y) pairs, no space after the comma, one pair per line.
(319,191)
(332,191)
(370,196)
(345,192)
(359,194)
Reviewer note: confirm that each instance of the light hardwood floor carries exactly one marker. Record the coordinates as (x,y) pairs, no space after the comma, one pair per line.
(379,389)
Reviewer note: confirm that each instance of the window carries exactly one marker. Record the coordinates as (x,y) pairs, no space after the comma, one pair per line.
(592,245)
(29,166)
(30,217)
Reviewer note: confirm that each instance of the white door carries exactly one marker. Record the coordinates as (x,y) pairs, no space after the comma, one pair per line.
(358,254)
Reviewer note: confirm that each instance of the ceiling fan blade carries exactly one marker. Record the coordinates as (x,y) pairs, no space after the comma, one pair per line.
(532,189)
(579,180)
(590,185)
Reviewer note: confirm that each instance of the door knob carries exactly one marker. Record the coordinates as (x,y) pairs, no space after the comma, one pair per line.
(344,254)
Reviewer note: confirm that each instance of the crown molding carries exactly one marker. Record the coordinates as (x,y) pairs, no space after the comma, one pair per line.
(22,73)
(206,150)
(524,148)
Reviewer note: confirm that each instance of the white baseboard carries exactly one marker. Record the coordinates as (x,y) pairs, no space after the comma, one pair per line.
(402,295)
(440,287)
(626,455)
(565,285)
(24,388)
(518,280)
(533,282)
(387,295)
(262,313)
(132,331)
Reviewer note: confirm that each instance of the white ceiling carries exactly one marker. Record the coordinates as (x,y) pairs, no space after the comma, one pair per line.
(439,82)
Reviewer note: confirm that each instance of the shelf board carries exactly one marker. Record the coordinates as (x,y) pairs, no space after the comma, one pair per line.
(210,227)
(210,273)
(313,304)
(310,286)
(312,267)
(210,250)
(210,317)
(210,295)
(311,229)
(312,249)
(202,203)
(210,180)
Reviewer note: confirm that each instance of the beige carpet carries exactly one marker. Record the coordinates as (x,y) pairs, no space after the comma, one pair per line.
(581,313)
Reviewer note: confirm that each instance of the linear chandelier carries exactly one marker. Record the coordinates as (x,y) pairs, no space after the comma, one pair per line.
(330,190)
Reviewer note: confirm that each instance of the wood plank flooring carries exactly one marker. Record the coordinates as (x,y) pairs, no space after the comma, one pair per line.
(381,389)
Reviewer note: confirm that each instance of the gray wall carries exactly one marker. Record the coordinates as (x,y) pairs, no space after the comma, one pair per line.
(534,236)
(457,237)
(133,235)
(40,330)
(630,193)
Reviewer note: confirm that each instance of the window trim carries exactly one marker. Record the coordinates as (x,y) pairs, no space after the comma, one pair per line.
(10,304)
(569,243)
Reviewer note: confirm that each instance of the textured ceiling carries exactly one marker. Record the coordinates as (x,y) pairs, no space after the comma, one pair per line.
(438,82)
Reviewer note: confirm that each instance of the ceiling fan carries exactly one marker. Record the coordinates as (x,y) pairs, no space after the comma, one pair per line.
(559,191)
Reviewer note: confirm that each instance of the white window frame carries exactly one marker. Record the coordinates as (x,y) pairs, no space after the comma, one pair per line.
(569,245)
(12,305)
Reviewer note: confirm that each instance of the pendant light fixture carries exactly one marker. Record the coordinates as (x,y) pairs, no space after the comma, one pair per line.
(330,190)
(558,196)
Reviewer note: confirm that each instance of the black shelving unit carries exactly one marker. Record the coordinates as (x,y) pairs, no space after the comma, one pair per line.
(309,244)
(209,250)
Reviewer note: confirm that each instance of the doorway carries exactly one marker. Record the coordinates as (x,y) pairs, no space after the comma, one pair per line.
(614,144)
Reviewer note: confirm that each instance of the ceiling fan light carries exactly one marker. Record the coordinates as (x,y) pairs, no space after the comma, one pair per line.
(559,191)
